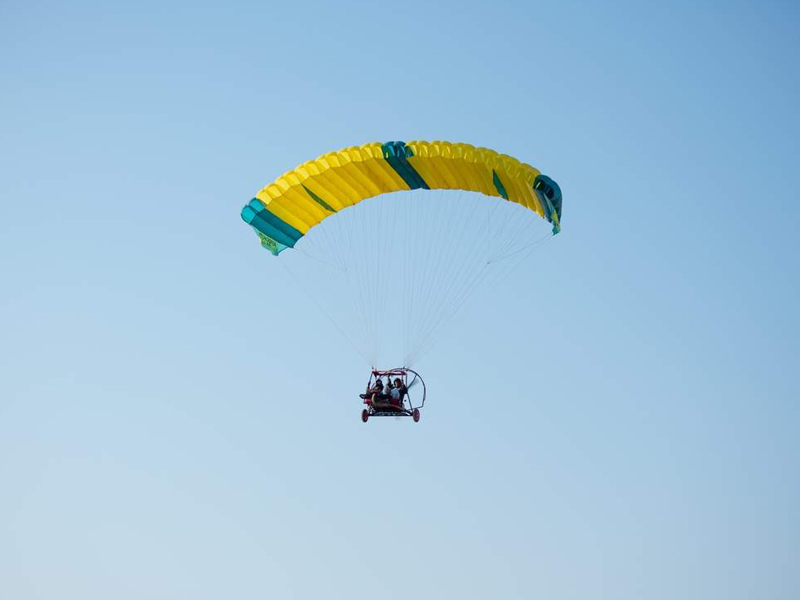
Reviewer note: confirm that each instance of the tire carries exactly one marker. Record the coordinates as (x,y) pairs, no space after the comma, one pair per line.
(415,415)
(365,415)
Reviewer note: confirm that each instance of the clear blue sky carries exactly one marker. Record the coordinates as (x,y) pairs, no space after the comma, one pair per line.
(152,441)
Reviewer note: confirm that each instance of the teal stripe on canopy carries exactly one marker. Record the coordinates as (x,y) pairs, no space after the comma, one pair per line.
(397,154)
(257,215)
(319,200)
(545,186)
(498,185)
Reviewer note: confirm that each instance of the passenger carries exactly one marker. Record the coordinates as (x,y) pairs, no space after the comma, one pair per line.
(376,392)
(398,391)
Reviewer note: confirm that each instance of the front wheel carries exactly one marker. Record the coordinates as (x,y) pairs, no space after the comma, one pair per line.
(415,415)
(365,415)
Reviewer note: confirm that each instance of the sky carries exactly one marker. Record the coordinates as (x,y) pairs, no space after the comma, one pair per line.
(619,420)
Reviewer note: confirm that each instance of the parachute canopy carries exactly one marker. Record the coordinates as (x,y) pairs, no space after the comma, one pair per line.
(285,210)
(427,226)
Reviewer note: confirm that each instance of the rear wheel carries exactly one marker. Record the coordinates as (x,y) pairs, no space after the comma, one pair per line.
(365,415)
(415,415)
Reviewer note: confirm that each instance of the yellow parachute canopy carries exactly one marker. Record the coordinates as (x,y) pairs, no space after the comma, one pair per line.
(287,208)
